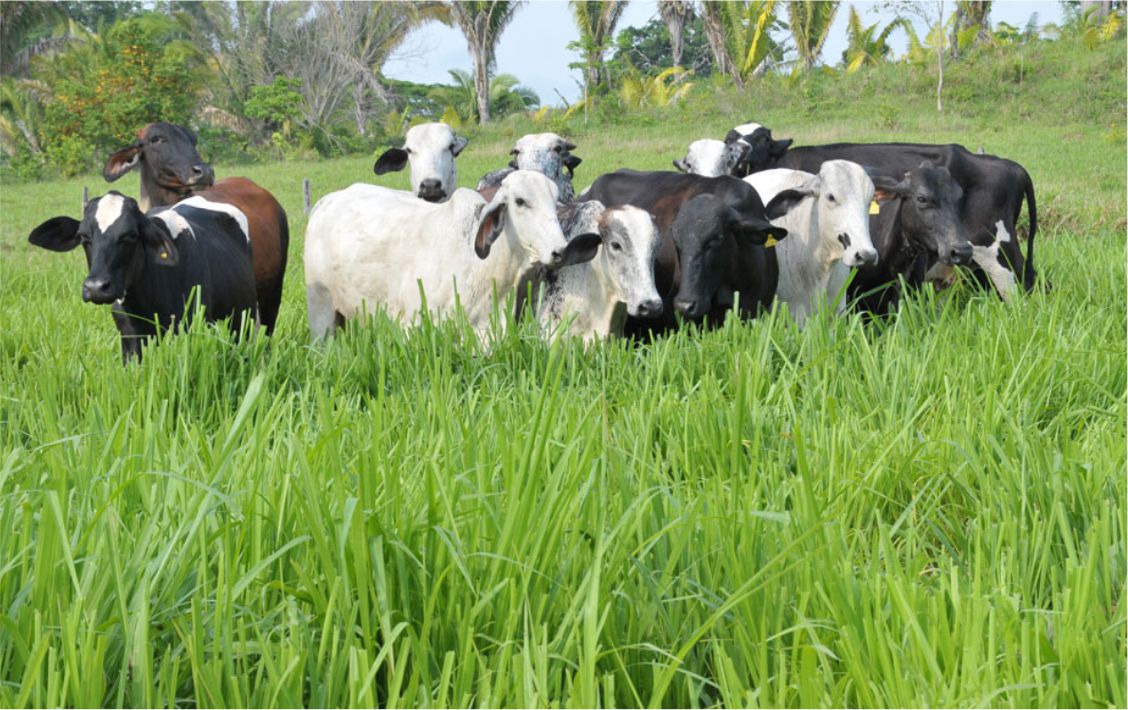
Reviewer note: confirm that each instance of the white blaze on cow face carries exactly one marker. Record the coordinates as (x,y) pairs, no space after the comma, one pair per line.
(204,204)
(630,241)
(745,129)
(177,225)
(110,207)
(710,158)
(988,259)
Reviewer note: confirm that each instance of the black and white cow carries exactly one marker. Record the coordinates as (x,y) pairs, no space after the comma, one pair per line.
(993,192)
(713,233)
(759,151)
(147,265)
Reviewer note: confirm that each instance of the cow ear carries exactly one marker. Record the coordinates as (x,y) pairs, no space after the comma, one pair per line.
(513,163)
(886,188)
(753,229)
(162,248)
(458,144)
(581,248)
(122,161)
(572,161)
(56,234)
(392,161)
(569,145)
(784,202)
(490,223)
(732,136)
(681,165)
(779,147)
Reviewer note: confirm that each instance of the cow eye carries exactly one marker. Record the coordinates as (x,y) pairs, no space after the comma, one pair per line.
(520,201)
(831,198)
(616,246)
(558,149)
(407,150)
(452,146)
(921,199)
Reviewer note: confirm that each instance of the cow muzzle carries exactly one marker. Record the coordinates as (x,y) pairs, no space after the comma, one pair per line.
(650,308)
(98,291)
(861,257)
(958,254)
(694,309)
(432,190)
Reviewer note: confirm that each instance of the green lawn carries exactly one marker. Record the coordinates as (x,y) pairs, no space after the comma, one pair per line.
(924,512)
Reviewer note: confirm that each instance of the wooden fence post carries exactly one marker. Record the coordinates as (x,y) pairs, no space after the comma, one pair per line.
(85,197)
(305,191)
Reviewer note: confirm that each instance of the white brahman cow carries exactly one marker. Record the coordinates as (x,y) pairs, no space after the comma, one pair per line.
(430,148)
(828,232)
(371,247)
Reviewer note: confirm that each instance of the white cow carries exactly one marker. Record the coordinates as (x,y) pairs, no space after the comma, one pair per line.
(710,157)
(371,247)
(431,149)
(546,153)
(828,232)
(594,298)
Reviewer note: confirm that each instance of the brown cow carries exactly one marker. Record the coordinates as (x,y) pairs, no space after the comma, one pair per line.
(172,170)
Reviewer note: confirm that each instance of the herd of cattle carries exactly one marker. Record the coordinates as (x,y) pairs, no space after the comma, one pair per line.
(746,221)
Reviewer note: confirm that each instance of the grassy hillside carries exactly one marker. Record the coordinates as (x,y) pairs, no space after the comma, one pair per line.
(929,511)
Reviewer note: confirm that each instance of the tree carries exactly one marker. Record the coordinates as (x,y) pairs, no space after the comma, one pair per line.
(971,25)
(507,96)
(31,29)
(649,49)
(862,47)
(739,35)
(596,23)
(810,24)
(482,22)
(932,14)
(675,13)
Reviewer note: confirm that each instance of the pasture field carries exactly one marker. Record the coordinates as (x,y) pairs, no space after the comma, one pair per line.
(928,511)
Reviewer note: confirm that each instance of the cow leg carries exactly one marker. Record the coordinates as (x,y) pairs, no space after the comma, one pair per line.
(269,300)
(322,313)
(133,335)
(987,258)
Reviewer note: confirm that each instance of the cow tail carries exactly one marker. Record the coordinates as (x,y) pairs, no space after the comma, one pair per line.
(1032,210)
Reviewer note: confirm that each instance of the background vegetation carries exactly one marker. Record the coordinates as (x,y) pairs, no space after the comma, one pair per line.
(270,80)
(924,512)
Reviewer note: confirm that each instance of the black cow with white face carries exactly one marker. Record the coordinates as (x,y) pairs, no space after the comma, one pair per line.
(918,223)
(147,265)
(713,237)
(171,169)
(759,150)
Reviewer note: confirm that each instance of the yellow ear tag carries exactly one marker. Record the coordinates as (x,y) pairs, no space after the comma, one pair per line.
(164,254)
(770,242)
(874,207)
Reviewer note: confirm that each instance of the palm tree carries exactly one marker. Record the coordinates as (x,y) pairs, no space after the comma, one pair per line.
(675,13)
(862,47)
(738,35)
(507,95)
(596,22)
(482,22)
(29,29)
(971,25)
(810,24)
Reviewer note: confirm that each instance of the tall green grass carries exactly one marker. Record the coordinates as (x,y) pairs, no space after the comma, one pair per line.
(928,511)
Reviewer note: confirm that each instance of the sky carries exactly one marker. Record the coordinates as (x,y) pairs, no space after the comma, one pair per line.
(534,46)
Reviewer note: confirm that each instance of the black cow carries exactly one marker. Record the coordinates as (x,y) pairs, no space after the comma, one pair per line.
(147,265)
(918,221)
(993,192)
(713,234)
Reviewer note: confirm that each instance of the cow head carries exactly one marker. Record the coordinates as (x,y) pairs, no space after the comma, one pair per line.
(844,193)
(710,158)
(550,154)
(116,236)
(523,211)
(930,210)
(170,166)
(707,234)
(630,241)
(760,150)
(431,149)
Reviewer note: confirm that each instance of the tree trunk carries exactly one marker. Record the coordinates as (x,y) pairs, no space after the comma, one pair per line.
(594,63)
(676,26)
(482,84)
(940,79)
